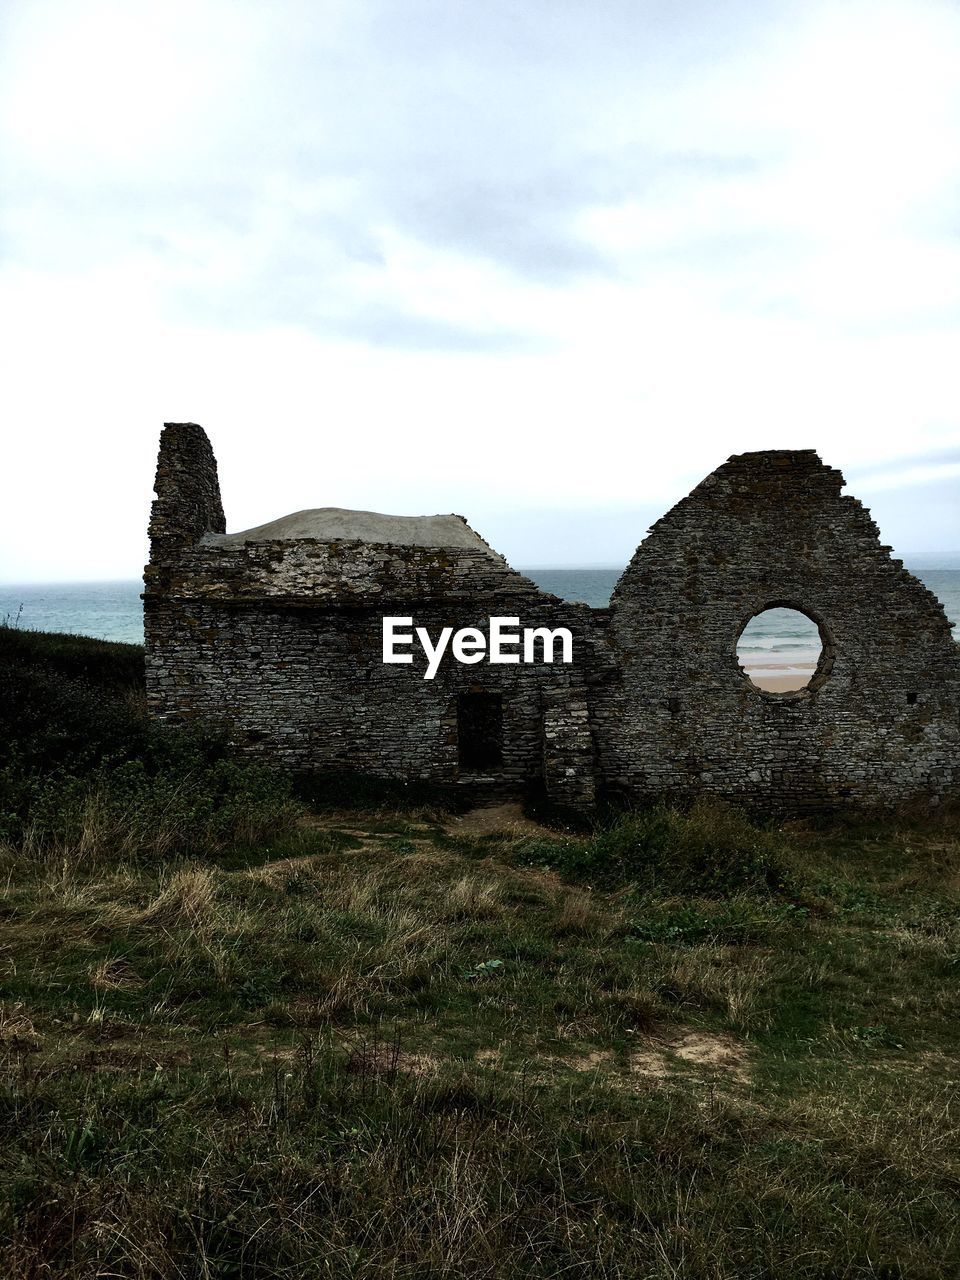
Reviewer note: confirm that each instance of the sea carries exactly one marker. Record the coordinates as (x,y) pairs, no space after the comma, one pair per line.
(780,640)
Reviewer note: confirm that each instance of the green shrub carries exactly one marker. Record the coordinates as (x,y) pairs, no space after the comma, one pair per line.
(735,921)
(128,811)
(103,663)
(710,849)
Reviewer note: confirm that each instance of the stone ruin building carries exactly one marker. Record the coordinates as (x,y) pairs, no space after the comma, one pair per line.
(275,634)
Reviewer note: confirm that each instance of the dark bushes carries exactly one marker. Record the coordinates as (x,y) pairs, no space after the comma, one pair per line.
(83,770)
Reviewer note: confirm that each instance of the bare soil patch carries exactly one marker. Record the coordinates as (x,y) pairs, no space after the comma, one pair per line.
(716,1054)
(495,819)
(389,1060)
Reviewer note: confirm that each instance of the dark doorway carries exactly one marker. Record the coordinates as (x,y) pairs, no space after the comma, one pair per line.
(480,730)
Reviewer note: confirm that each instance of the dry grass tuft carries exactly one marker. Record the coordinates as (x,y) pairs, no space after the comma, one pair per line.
(114,974)
(188,898)
(471,898)
(716,977)
(579,915)
(17,1031)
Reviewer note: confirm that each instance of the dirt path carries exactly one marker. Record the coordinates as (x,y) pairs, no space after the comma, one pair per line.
(495,819)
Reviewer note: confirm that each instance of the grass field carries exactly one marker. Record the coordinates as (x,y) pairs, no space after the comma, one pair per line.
(244,1035)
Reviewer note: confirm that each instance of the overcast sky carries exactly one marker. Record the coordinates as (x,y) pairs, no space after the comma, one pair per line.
(545,263)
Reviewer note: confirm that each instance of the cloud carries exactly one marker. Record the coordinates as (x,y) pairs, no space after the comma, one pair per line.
(937,464)
(535,257)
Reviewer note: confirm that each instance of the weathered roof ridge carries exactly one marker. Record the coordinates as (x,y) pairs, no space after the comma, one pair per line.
(341,524)
(777,455)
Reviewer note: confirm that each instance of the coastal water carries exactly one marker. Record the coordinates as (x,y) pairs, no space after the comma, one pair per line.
(104,610)
(781,642)
(113,610)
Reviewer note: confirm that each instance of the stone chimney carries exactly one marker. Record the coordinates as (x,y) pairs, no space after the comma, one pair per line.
(188,503)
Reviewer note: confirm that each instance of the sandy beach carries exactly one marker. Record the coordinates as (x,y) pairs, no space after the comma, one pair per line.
(772,677)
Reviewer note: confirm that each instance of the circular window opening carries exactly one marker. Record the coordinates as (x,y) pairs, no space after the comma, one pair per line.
(779,650)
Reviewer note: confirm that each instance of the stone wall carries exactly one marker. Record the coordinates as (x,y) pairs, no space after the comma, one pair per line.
(878,724)
(279,641)
(569,748)
(306,686)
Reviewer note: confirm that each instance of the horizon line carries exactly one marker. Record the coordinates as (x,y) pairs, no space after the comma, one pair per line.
(594,566)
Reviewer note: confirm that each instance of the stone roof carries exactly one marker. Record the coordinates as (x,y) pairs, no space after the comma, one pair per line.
(335,524)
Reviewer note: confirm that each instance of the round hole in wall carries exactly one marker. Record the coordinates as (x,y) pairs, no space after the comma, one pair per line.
(782,649)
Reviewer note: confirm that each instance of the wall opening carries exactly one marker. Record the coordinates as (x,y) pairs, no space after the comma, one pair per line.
(780,650)
(480,730)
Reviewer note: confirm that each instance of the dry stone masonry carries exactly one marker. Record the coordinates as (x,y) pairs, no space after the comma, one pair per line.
(275,634)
